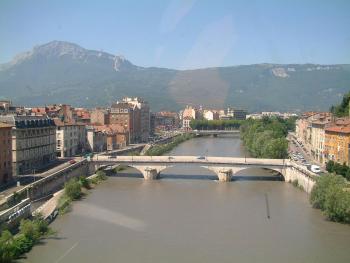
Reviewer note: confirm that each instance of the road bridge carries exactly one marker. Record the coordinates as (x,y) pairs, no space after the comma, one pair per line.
(224,167)
(213,132)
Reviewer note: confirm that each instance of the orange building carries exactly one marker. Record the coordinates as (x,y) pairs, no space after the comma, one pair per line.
(337,143)
(5,153)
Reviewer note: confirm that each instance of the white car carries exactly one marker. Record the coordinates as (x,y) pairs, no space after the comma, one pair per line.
(315,169)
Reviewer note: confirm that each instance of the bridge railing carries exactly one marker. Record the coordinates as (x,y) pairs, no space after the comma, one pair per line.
(194,159)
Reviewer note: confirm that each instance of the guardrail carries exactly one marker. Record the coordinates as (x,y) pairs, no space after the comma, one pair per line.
(24,190)
(16,211)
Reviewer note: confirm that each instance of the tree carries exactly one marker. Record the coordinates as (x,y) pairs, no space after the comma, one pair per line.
(323,183)
(6,248)
(337,204)
(342,109)
(330,166)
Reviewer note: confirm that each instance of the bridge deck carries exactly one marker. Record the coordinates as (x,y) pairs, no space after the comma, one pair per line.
(192,159)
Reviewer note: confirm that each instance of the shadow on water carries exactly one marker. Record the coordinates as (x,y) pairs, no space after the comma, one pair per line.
(202,177)
(188,176)
(257,178)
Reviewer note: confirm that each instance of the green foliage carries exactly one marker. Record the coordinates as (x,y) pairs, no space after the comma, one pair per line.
(64,204)
(30,231)
(330,195)
(72,189)
(266,138)
(164,148)
(101,175)
(341,169)
(84,182)
(215,124)
(342,110)
(6,247)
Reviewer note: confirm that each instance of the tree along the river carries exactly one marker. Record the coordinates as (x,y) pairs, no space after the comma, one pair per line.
(266,138)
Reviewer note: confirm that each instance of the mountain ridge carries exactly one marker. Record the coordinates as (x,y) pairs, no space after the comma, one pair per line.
(64,72)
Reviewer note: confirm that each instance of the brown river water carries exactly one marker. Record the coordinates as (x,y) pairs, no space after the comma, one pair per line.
(188,216)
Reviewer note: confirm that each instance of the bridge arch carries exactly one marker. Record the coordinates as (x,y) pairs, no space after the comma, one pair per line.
(180,172)
(275,173)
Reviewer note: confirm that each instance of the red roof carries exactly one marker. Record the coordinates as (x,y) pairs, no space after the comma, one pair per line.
(338,129)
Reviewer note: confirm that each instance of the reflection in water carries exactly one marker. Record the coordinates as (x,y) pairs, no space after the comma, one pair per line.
(131,220)
(107,216)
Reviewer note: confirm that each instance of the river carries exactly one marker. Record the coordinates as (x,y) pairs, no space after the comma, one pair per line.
(187,216)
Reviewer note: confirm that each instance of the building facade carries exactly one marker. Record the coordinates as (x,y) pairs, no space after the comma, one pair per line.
(99,117)
(5,153)
(337,144)
(143,110)
(318,137)
(124,115)
(96,140)
(33,142)
(236,114)
(71,138)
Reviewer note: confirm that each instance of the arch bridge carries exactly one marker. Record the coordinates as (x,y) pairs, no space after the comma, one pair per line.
(224,167)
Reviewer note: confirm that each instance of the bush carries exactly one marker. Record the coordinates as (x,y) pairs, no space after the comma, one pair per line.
(6,247)
(22,245)
(337,204)
(11,247)
(322,185)
(72,189)
(101,175)
(84,182)
(64,204)
(29,230)
(330,196)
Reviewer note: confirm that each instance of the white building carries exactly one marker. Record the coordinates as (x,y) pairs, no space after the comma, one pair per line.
(96,140)
(70,138)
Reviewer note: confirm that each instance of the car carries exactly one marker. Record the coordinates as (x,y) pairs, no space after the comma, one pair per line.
(201,158)
(72,161)
(112,157)
(315,169)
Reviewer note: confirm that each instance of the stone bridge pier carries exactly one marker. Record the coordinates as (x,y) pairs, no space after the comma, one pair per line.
(150,172)
(223,173)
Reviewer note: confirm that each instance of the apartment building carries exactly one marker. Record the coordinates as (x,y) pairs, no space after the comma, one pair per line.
(99,116)
(71,138)
(317,136)
(5,153)
(143,110)
(96,139)
(33,142)
(126,116)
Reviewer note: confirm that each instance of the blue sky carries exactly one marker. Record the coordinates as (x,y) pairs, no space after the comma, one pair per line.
(184,34)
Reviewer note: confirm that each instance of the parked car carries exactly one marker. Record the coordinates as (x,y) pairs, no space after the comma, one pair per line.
(201,158)
(315,169)
(72,161)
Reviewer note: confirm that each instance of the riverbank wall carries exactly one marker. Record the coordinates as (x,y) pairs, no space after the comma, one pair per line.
(48,185)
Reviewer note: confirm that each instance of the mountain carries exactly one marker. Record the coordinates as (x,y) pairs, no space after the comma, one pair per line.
(62,72)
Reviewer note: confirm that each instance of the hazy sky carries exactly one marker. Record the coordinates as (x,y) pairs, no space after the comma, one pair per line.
(184,34)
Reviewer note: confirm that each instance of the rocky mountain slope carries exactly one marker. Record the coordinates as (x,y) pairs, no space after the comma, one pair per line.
(62,72)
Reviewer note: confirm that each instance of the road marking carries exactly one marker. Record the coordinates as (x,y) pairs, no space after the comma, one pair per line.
(67,252)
